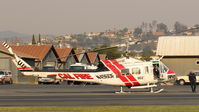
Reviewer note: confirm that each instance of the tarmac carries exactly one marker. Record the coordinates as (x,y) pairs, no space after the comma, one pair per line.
(93,95)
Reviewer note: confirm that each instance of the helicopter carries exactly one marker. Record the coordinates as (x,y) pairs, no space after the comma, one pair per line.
(123,72)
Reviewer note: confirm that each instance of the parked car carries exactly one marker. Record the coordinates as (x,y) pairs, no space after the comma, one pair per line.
(181,80)
(5,77)
(50,79)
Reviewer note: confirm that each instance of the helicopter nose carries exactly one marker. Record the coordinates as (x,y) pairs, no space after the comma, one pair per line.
(170,72)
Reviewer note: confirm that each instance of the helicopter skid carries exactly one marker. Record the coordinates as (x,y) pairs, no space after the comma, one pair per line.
(151,91)
(129,92)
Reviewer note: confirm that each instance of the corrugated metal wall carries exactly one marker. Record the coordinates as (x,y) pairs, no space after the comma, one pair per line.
(182,66)
(5,64)
(178,46)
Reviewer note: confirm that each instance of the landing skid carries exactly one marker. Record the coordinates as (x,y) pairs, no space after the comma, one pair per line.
(151,91)
(159,91)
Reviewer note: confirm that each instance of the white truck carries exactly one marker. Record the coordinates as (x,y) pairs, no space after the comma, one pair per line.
(181,80)
(50,79)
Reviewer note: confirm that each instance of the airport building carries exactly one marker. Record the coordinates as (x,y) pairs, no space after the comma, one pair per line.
(67,57)
(42,57)
(179,53)
(93,58)
(7,64)
(82,57)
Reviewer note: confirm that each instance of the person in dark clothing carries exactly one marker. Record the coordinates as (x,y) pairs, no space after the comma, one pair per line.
(156,72)
(192,79)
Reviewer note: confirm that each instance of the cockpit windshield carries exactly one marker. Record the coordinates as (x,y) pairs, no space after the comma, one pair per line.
(163,68)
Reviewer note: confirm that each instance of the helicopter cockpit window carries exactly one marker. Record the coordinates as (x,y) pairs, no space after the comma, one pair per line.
(165,69)
(136,70)
(162,68)
(125,72)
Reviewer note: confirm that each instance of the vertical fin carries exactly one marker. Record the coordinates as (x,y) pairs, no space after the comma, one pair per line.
(21,64)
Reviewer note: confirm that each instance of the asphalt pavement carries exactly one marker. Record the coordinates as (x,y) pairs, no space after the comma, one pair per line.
(92,95)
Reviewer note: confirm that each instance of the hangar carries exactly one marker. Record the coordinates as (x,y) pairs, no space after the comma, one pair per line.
(179,53)
(44,55)
(67,57)
(38,56)
(7,64)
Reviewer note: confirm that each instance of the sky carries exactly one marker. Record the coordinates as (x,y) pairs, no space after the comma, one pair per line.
(77,16)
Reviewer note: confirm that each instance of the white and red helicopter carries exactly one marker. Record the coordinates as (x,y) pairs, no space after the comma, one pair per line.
(124,72)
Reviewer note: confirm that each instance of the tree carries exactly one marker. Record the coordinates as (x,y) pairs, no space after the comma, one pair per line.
(150,27)
(179,27)
(154,25)
(39,39)
(137,32)
(112,53)
(161,27)
(196,25)
(147,53)
(144,26)
(125,30)
(33,40)
(196,30)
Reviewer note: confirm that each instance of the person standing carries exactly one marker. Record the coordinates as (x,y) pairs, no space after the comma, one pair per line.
(192,79)
(156,72)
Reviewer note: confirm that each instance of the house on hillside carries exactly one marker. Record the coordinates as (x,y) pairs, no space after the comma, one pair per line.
(45,55)
(179,53)
(67,57)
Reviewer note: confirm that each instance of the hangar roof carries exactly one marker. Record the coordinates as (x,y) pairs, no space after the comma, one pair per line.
(92,56)
(37,51)
(20,54)
(178,46)
(63,53)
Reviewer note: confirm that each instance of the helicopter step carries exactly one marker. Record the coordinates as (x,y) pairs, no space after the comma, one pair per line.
(141,87)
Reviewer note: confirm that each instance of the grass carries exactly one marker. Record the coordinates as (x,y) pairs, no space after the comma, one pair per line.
(103,109)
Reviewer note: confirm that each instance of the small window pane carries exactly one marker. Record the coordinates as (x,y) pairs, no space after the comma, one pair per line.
(125,70)
(136,71)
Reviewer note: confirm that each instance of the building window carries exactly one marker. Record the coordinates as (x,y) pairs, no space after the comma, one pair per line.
(197,62)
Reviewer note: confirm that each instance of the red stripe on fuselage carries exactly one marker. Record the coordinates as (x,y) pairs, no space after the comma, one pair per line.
(130,77)
(117,72)
(25,68)
(117,64)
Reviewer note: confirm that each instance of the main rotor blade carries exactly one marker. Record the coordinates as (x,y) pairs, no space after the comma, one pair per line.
(189,29)
(90,51)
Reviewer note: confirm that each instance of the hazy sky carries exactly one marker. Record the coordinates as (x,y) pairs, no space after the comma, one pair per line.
(78,16)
